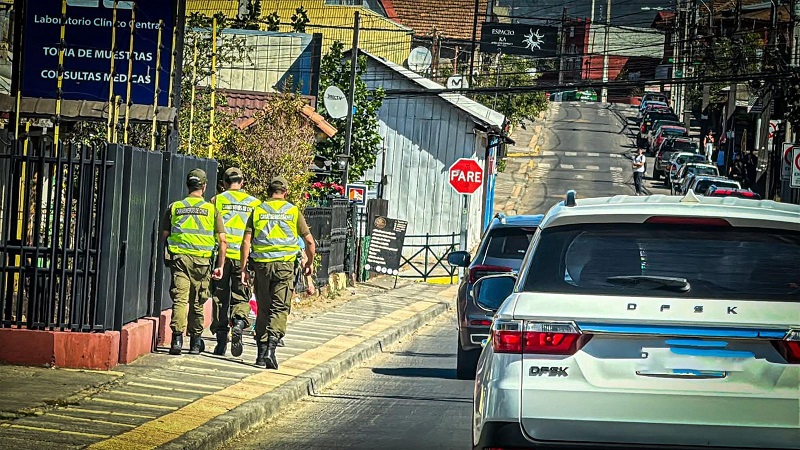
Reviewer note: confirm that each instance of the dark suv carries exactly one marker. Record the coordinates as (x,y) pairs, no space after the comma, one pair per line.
(502,249)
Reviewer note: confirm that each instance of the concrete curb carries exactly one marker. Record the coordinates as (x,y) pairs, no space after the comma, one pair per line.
(252,414)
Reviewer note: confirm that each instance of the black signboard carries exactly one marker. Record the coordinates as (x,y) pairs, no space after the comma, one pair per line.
(386,245)
(519,39)
(88,49)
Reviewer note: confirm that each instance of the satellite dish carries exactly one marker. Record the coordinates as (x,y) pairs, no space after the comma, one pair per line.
(335,102)
(419,60)
(457,82)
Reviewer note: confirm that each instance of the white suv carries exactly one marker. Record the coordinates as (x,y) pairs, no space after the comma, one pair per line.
(647,322)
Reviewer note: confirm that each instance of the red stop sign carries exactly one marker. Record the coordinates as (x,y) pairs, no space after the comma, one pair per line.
(466,176)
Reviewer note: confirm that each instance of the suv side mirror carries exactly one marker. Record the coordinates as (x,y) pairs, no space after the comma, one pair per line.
(490,291)
(459,259)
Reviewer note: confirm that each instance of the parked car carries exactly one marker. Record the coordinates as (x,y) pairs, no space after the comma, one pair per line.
(678,160)
(650,104)
(690,178)
(501,250)
(717,191)
(700,184)
(647,121)
(655,96)
(662,131)
(611,337)
(688,171)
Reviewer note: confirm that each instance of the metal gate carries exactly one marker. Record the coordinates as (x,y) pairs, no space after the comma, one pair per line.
(51,242)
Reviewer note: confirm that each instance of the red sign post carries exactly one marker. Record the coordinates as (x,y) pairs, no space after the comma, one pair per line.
(466,176)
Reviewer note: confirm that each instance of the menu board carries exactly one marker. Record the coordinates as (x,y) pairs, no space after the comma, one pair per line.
(386,245)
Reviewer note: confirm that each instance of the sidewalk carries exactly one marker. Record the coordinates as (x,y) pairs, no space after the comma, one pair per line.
(200,402)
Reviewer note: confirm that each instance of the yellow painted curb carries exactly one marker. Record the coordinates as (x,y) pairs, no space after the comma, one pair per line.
(177,423)
(442,280)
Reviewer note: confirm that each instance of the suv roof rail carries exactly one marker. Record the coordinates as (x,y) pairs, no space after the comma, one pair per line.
(570,201)
(501,217)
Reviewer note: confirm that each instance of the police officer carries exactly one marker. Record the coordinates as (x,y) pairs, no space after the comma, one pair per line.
(231,297)
(272,235)
(188,229)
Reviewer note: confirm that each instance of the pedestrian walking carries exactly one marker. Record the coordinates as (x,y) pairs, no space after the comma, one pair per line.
(271,241)
(708,145)
(751,167)
(639,162)
(738,171)
(188,231)
(231,307)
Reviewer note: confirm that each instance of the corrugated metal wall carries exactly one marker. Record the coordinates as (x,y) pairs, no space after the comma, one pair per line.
(423,136)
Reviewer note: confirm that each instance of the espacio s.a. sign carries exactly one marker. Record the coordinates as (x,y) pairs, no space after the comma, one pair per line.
(519,39)
(88,49)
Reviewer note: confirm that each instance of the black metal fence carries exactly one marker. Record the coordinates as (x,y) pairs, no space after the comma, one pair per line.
(79,232)
(428,256)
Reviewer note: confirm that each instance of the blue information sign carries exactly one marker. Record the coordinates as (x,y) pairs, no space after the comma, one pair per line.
(88,49)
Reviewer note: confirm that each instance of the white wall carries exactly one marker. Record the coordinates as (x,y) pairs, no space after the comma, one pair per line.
(422,137)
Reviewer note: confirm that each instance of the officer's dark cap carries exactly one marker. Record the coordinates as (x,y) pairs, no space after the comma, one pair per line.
(196,177)
(233,175)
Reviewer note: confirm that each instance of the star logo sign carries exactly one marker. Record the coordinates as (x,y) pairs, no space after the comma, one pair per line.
(533,40)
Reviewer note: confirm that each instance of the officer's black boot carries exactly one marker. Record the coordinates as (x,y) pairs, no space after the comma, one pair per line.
(261,359)
(222,343)
(195,345)
(236,337)
(177,344)
(272,359)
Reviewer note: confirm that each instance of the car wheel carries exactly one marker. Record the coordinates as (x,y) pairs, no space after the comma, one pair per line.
(656,174)
(466,362)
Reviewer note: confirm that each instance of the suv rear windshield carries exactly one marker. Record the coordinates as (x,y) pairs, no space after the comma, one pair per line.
(702,185)
(508,243)
(627,259)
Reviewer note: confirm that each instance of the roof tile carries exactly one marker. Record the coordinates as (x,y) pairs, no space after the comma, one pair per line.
(452,19)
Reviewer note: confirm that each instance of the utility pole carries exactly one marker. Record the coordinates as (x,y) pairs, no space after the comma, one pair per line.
(604,95)
(563,46)
(688,57)
(351,97)
(474,43)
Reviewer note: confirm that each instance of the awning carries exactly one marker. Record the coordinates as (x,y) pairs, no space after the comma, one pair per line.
(81,109)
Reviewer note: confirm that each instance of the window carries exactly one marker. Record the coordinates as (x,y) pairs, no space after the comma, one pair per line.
(509,243)
(571,31)
(652,260)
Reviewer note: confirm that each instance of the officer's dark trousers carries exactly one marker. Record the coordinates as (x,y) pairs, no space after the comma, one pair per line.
(274,288)
(189,291)
(231,297)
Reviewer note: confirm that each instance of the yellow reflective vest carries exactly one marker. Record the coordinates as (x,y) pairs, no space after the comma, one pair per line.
(275,232)
(192,231)
(235,208)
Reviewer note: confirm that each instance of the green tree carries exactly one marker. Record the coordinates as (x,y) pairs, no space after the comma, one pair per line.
(273,21)
(366,142)
(300,20)
(511,71)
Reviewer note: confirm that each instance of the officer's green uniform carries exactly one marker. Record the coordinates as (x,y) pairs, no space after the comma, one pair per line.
(192,224)
(276,226)
(229,293)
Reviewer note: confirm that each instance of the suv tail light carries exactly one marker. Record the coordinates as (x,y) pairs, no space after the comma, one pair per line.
(528,337)
(789,347)
(480,271)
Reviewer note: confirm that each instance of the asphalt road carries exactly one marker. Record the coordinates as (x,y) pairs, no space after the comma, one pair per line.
(586,147)
(407,398)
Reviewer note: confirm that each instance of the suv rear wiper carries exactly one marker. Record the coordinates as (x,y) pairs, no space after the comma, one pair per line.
(652,282)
